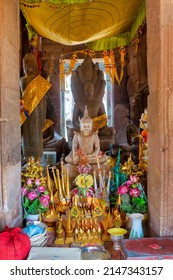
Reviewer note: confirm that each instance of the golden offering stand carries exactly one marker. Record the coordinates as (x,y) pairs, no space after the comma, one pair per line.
(79,219)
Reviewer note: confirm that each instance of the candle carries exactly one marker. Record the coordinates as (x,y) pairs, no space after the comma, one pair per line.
(55,179)
(67,184)
(69,222)
(63,185)
(59,182)
(103,177)
(100,182)
(98,164)
(108,182)
(95,181)
(62,167)
(49,184)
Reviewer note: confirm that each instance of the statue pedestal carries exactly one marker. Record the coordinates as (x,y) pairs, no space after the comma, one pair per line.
(73,172)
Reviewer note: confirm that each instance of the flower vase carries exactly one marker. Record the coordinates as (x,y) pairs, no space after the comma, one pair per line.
(137,229)
(32,217)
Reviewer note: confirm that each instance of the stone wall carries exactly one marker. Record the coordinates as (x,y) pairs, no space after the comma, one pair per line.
(10,151)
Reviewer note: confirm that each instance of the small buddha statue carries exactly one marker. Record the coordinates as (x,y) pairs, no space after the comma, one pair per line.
(86,142)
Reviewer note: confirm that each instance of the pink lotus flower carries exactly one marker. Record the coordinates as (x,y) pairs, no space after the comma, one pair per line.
(133,179)
(122,189)
(128,183)
(134,192)
(24,191)
(44,200)
(32,195)
(29,181)
(41,188)
(37,182)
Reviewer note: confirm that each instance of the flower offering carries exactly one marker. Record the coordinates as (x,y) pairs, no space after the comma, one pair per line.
(133,198)
(35,196)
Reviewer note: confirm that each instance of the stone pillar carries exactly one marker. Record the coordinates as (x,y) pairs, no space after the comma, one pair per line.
(160,116)
(10,149)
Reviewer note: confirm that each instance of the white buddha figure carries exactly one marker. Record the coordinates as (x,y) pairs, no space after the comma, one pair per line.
(87,142)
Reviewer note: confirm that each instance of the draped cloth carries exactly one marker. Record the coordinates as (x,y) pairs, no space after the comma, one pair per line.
(73,22)
(33,94)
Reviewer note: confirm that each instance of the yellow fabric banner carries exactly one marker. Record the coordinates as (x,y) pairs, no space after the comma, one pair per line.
(33,94)
(77,23)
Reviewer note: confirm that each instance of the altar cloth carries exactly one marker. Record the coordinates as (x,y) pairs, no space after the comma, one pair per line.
(54,253)
(152,248)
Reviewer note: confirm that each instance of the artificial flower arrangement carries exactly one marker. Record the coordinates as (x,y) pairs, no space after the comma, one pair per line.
(84,182)
(133,197)
(35,196)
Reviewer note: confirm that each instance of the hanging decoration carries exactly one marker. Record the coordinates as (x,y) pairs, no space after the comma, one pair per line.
(113,70)
(106,61)
(122,62)
(73,61)
(36,43)
(62,73)
(110,65)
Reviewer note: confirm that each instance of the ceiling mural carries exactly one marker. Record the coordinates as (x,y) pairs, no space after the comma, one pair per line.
(101,24)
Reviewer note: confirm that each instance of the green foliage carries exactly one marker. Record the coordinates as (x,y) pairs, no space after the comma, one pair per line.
(133,205)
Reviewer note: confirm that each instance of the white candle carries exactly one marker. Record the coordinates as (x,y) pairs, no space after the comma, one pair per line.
(108,183)
(98,164)
(95,181)
(100,182)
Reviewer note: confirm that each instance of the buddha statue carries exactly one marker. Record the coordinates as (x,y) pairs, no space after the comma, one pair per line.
(85,143)
(31,129)
(88,88)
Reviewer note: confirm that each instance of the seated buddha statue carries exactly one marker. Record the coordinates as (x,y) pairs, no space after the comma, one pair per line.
(85,143)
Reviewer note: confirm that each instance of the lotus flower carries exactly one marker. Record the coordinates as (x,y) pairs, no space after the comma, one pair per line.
(41,188)
(24,191)
(32,195)
(29,181)
(37,182)
(122,189)
(134,192)
(44,200)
